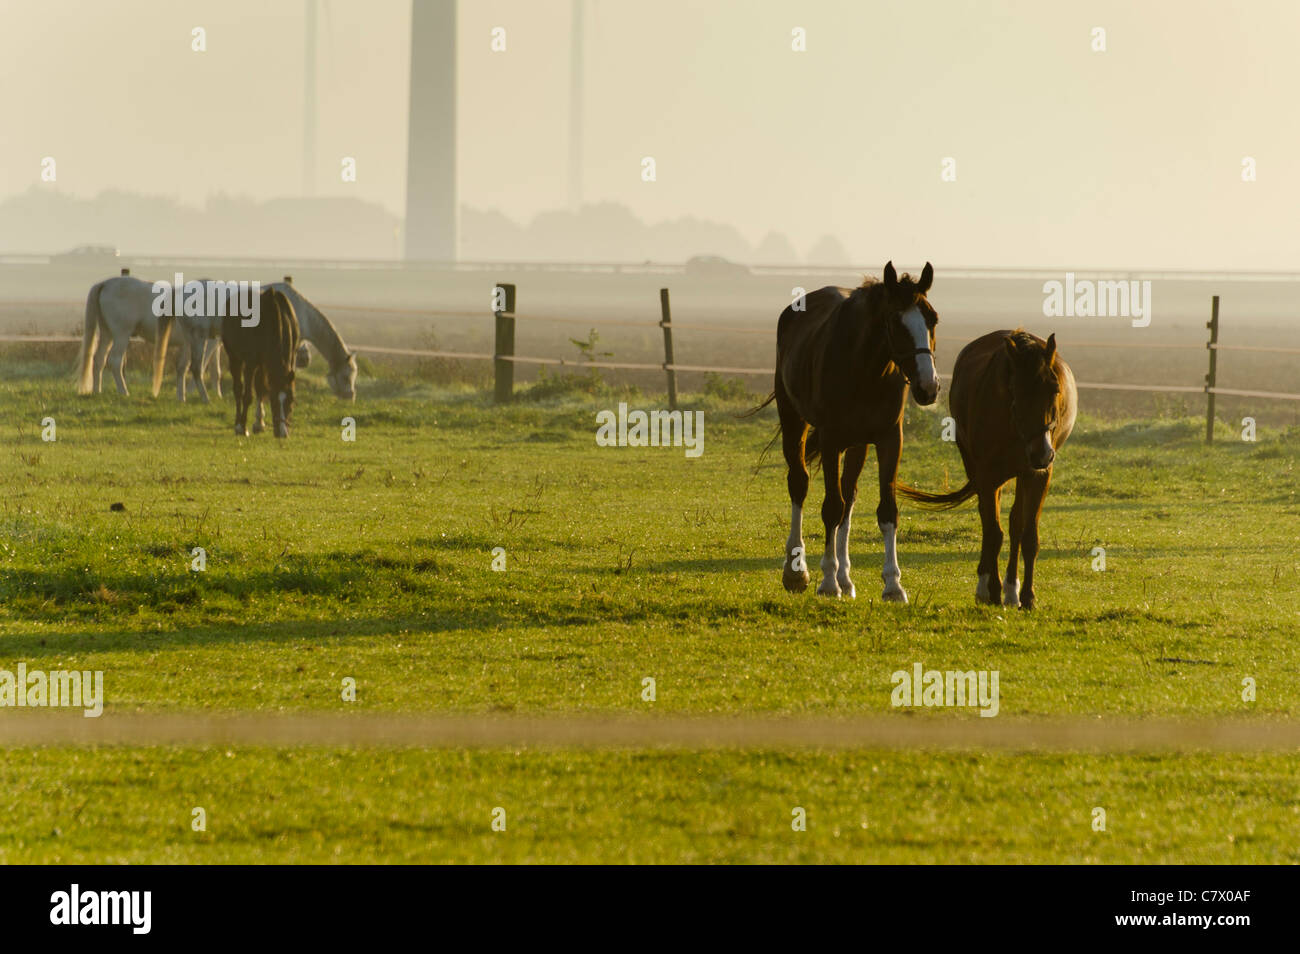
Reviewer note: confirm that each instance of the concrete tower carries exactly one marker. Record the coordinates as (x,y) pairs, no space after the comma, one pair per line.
(432,213)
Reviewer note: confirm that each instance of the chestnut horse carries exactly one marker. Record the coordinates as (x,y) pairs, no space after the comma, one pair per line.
(1014,401)
(844,359)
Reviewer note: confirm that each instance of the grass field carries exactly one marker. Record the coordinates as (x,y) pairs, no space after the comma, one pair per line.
(372,560)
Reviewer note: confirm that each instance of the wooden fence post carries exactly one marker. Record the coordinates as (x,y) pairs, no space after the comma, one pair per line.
(288,279)
(126,272)
(1211,379)
(503,311)
(666,323)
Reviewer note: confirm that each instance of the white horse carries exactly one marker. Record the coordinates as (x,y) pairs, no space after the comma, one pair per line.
(119,308)
(201,334)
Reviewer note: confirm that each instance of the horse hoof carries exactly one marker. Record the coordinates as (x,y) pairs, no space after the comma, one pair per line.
(1028,603)
(831,589)
(258,428)
(894,594)
(241,431)
(794,582)
(847,589)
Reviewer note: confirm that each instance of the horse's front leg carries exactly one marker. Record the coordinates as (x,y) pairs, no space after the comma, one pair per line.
(854,458)
(887,453)
(1036,486)
(216,363)
(832,515)
(182,366)
(259,396)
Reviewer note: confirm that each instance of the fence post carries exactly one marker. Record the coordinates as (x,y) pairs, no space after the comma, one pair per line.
(288,279)
(126,272)
(503,311)
(666,323)
(1211,379)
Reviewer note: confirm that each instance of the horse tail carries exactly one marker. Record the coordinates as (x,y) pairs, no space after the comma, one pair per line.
(754,410)
(938,501)
(812,446)
(89,341)
(161,337)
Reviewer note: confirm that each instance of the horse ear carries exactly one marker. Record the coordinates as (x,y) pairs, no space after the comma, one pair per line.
(927,278)
(1051,347)
(891,276)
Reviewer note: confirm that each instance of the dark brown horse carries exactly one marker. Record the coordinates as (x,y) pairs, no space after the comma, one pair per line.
(1014,401)
(261,356)
(844,359)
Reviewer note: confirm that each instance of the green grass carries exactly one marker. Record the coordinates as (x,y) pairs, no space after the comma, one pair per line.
(372,560)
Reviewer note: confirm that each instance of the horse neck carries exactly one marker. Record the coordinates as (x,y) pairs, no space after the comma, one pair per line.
(318,330)
(868,343)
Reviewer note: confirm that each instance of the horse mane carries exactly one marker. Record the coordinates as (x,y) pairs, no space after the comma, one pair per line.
(1029,349)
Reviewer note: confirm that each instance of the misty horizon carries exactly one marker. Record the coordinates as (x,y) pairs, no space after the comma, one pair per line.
(1061,155)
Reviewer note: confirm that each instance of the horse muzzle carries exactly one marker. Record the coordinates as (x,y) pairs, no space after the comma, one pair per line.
(925,395)
(1040,453)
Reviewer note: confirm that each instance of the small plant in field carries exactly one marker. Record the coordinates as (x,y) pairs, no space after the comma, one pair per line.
(550,385)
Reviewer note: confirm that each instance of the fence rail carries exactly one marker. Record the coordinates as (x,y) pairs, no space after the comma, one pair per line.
(504,358)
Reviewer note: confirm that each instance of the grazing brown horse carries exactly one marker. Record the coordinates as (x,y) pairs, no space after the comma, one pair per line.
(262,356)
(844,359)
(1014,401)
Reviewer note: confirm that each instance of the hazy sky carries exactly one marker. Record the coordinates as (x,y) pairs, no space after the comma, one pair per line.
(1131,157)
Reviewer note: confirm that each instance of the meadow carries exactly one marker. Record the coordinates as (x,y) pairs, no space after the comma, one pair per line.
(372,560)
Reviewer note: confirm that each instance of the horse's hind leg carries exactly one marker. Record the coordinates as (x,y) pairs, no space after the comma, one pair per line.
(259,383)
(991,519)
(101,359)
(832,515)
(854,458)
(794,572)
(117,358)
(216,365)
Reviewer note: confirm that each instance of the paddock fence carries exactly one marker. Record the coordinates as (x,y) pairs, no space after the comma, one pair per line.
(504,358)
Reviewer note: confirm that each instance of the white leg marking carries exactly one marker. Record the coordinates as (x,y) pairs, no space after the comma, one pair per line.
(830,569)
(894,592)
(982,591)
(842,556)
(796,529)
(1011,591)
(794,572)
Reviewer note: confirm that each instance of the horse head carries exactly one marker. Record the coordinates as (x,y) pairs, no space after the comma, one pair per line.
(342,377)
(1035,395)
(909,330)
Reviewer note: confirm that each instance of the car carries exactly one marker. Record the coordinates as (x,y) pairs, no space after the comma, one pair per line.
(87,255)
(713,266)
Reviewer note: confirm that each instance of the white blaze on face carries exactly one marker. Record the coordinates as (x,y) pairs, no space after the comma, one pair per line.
(914,322)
